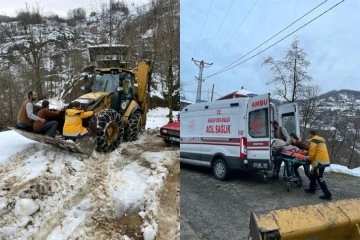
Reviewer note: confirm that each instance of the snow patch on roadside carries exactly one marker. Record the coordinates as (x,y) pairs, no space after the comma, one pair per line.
(32,168)
(160,163)
(127,188)
(11,145)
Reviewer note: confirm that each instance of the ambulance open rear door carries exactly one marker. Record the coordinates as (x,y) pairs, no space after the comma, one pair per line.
(288,117)
(258,133)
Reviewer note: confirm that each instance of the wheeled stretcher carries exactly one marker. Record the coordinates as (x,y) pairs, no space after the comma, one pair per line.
(292,161)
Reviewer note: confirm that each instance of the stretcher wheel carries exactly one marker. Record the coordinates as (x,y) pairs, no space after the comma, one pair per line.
(266,178)
(288,186)
(299,182)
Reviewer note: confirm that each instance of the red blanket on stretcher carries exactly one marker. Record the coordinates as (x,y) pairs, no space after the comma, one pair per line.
(290,153)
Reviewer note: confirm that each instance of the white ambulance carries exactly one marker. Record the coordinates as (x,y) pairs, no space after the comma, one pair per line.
(233,133)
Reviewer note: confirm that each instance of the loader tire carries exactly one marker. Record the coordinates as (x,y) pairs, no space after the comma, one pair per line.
(110,130)
(133,128)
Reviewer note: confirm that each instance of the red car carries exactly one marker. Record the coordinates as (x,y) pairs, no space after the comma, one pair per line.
(171,132)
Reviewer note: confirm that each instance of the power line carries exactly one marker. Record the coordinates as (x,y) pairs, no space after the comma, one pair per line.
(237,29)
(207,14)
(187,83)
(217,31)
(228,67)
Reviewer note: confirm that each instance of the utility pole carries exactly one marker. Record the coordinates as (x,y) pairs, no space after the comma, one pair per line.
(212,92)
(201,64)
(110,34)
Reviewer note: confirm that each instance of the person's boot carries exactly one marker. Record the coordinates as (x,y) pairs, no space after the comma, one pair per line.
(310,190)
(327,195)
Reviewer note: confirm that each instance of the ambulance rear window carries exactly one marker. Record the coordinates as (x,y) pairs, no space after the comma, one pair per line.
(288,122)
(258,127)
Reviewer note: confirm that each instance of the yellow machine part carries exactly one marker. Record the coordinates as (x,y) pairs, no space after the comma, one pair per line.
(331,220)
(126,115)
(106,101)
(95,95)
(141,72)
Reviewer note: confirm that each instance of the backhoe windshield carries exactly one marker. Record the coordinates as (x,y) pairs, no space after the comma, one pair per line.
(106,82)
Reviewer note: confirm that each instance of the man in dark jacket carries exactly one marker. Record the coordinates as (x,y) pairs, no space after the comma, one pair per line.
(49,128)
(280,132)
(26,115)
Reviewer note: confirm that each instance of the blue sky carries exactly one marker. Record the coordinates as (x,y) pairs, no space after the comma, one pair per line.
(222,31)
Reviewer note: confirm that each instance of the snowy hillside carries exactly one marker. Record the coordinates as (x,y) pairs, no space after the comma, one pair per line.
(46,193)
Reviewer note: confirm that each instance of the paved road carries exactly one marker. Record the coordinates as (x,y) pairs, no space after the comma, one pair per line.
(212,209)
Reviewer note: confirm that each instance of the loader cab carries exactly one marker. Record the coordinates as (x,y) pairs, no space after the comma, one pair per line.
(88,80)
(107,80)
(127,90)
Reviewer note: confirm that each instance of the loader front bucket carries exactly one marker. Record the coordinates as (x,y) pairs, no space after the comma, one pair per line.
(331,220)
(86,144)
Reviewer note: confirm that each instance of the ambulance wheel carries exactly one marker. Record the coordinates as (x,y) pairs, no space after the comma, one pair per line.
(220,169)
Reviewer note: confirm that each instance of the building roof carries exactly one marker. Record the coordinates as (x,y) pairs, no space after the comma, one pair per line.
(238,94)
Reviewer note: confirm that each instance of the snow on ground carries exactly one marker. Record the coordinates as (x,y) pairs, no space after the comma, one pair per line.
(158,118)
(46,193)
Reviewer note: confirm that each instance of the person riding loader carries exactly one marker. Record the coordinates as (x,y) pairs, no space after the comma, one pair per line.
(73,126)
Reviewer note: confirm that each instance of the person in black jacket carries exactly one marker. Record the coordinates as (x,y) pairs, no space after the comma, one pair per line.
(280,132)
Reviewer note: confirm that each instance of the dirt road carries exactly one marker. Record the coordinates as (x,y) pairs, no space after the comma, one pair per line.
(212,209)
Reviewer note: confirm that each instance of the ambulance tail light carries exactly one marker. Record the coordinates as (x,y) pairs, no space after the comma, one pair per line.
(243,148)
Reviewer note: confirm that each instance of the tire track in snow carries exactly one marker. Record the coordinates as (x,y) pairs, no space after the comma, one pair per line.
(58,222)
(56,193)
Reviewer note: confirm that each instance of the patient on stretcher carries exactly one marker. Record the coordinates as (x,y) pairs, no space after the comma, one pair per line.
(281,149)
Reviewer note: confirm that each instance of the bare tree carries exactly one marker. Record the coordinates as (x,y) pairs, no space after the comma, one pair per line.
(8,96)
(290,76)
(308,107)
(166,45)
(32,48)
(354,142)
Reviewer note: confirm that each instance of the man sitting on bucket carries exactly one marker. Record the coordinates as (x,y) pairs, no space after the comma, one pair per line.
(73,128)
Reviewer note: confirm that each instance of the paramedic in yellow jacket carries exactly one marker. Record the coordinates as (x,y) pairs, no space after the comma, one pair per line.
(319,160)
(73,127)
